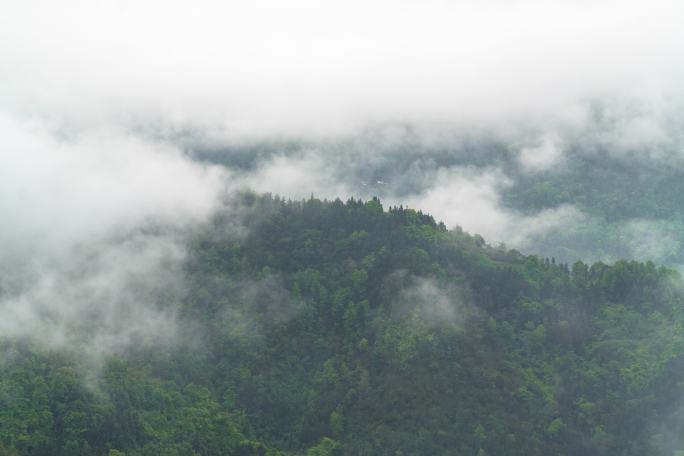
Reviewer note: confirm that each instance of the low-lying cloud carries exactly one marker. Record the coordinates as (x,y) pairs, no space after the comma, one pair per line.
(426,302)
(472,199)
(542,156)
(100,299)
(92,234)
(59,190)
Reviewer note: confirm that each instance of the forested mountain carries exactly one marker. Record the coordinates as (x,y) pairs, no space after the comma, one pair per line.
(333,328)
(624,200)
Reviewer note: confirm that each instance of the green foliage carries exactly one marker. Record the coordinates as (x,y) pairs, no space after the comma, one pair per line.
(327,447)
(343,328)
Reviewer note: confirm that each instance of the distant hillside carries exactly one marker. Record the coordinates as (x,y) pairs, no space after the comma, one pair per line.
(628,199)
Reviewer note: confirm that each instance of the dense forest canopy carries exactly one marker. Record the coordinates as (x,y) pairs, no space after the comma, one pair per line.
(331,327)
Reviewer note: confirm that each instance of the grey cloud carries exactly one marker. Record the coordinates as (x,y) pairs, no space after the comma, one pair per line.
(426,302)
(471,198)
(92,234)
(542,156)
(99,299)
(56,191)
(262,68)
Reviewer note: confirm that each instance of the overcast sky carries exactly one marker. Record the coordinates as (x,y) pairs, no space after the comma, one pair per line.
(309,67)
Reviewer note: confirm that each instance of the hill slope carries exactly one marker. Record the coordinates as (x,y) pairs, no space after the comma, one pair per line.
(343,328)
